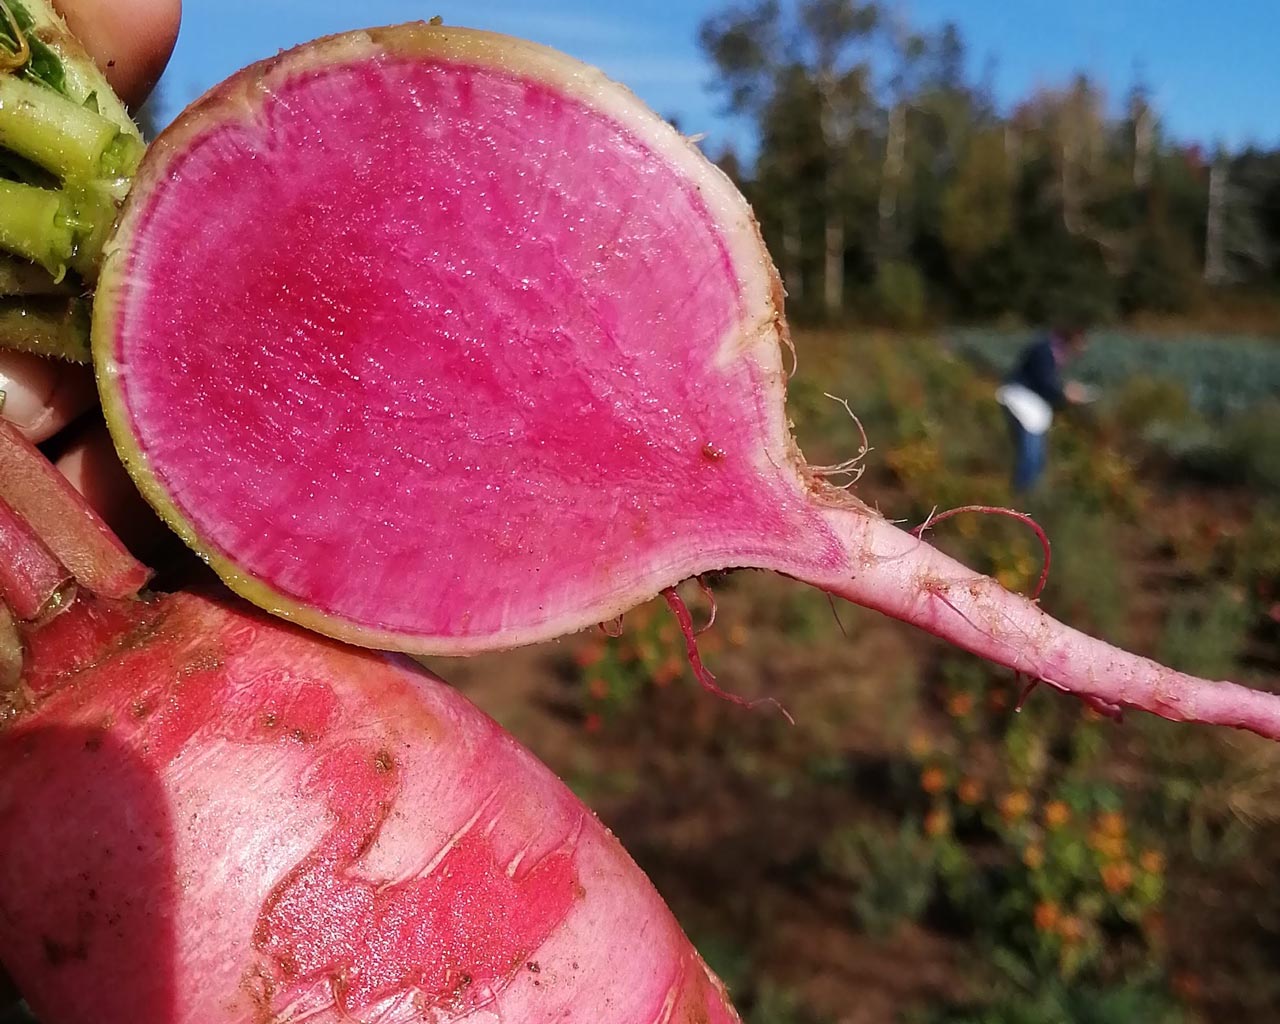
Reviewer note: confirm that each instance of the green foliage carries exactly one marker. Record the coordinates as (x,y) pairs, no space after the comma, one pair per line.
(1145,404)
(618,671)
(1205,632)
(900,294)
(893,875)
(978,202)
(775,1004)
(1253,446)
(876,153)
(1220,375)
(1029,1000)
(1088,583)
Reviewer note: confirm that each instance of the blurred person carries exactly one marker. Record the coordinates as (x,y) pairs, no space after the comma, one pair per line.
(1033,390)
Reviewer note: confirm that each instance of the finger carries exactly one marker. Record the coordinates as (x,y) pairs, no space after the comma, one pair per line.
(42,396)
(129,39)
(91,465)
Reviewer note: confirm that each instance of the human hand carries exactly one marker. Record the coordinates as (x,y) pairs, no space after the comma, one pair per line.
(1079,394)
(130,40)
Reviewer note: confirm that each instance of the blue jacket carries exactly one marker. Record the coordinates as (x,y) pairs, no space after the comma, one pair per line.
(1037,370)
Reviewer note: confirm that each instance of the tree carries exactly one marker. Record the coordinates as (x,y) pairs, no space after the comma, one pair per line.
(766,64)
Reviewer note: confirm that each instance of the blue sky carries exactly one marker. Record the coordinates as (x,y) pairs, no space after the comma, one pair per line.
(1211,64)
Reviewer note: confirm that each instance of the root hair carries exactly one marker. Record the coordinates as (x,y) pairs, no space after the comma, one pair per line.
(700,671)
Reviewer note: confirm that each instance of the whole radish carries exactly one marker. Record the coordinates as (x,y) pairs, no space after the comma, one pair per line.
(209,816)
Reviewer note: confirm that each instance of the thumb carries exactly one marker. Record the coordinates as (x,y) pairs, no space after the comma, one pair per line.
(41,396)
(130,40)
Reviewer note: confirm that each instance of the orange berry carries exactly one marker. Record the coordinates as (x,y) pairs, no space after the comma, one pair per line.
(593,723)
(1015,805)
(969,791)
(1033,857)
(936,822)
(919,743)
(960,705)
(738,635)
(1110,847)
(1116,878)
(1056,814)
(598,688)
(933,780)
(1046,916)
(1071,928)
(1151,861)
(1111,824)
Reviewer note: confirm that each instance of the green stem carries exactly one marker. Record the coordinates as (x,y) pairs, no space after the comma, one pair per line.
(49,326)
(75,75)
(93,215)
(72,141)
(35,223)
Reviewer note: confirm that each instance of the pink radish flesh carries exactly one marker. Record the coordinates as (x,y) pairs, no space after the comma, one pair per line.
(271,826)
(436,340)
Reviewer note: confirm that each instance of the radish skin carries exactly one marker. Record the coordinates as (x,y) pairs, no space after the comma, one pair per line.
(208,816)
(269,826)
(901,576)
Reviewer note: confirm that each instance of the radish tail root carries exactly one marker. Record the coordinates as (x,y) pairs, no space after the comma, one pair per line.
(896,573)
(700,671)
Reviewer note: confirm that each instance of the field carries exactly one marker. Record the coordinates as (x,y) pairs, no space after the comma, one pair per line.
(916,848)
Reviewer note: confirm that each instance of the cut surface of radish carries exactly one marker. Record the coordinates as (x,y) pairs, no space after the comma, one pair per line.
(469,349)
(436,340)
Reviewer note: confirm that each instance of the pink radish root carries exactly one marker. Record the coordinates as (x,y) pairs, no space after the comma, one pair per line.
(700,671)
(904,578)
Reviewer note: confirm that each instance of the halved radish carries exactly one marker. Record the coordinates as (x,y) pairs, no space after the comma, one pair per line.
(436,340)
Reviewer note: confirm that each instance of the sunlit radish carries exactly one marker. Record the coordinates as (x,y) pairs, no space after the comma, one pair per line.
(436,340)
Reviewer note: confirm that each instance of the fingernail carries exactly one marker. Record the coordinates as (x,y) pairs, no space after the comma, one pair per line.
(41,396)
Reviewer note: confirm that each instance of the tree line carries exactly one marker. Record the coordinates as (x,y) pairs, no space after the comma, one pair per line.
(890,185)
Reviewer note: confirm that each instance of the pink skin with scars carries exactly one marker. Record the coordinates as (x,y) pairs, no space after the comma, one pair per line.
(271,826)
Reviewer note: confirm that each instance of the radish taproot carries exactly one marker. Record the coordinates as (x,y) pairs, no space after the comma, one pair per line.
(439,341)
(208,815)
